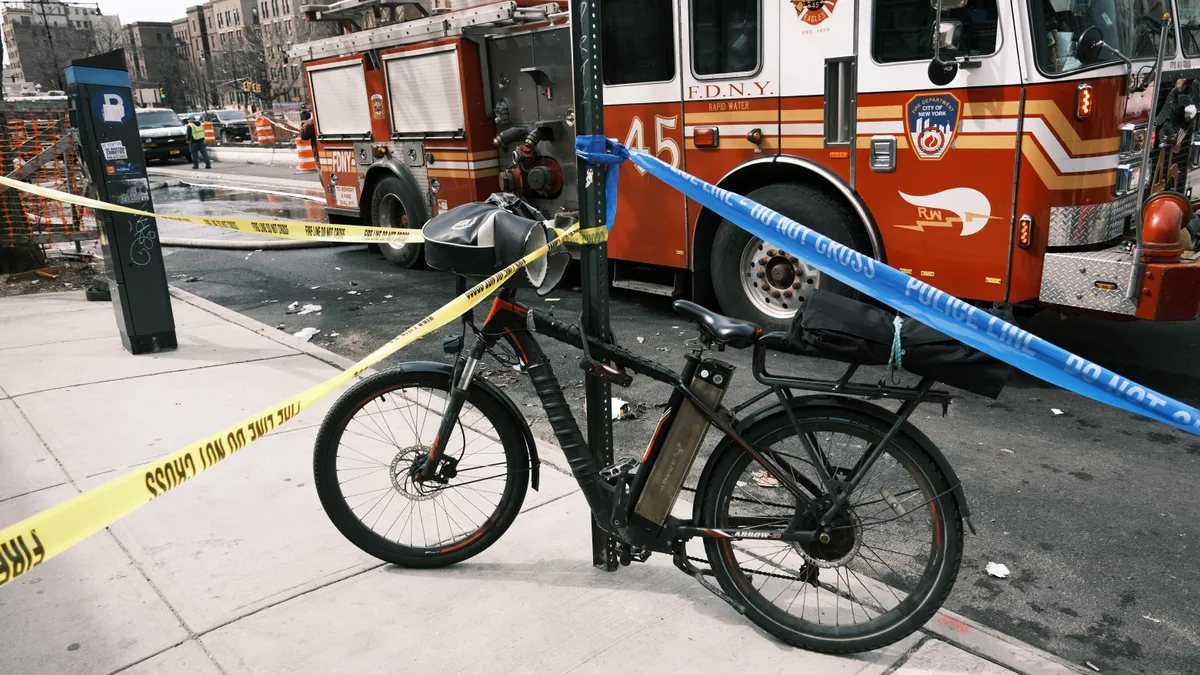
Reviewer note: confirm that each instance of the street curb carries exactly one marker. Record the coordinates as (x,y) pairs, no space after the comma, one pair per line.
(269,332)
(946,625)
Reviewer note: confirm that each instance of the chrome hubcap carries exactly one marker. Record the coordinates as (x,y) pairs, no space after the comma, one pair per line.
(776,282)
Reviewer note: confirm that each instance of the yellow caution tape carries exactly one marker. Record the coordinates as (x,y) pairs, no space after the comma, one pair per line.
(38,538)
(592,235)
(285,229)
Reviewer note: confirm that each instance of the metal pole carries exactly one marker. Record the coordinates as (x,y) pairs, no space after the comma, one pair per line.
(589,120)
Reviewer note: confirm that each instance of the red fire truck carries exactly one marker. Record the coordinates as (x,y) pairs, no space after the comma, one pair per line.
(995,150)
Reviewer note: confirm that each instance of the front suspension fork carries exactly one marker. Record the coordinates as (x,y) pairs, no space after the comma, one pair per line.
(461,382)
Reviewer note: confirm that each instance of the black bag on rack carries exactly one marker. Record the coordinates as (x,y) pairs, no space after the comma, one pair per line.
(835,327)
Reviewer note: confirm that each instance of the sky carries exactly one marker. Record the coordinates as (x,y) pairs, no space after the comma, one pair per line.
(146,10)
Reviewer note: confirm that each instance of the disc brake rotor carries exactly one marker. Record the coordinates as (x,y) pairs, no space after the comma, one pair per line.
(405,466)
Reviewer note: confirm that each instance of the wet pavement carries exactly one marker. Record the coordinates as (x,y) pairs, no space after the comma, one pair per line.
(1094,510)
(232,203)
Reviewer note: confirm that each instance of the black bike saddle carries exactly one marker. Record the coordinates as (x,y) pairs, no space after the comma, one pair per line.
(723,330)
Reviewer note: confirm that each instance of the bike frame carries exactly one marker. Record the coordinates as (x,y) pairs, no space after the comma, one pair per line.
(611,494)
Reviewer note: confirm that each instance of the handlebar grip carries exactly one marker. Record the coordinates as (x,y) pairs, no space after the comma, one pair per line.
(570,334)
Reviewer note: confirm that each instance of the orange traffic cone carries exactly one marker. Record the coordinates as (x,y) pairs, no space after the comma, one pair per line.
(308,161)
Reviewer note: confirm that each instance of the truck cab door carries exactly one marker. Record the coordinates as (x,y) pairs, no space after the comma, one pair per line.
(936,164)
(643,109)
(730,85)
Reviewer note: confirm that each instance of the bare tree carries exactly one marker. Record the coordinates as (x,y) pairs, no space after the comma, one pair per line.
(240,59)
(108,34)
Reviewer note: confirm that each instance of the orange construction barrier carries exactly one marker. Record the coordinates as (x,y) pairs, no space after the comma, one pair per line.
(308,161)
(266,132)
(210,134)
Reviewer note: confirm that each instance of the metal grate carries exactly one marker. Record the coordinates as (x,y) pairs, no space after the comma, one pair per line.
(38,147)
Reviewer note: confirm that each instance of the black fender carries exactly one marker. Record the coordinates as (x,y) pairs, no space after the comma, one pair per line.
(885,416)
(411,195)
(489,389)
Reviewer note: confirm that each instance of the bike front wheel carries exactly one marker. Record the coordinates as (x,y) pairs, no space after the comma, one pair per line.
(888,561)
(369,452)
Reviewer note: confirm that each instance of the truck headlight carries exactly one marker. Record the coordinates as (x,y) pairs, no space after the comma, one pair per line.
(1129,176)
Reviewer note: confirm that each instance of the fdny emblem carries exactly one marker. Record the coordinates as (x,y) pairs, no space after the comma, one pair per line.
(813,12)
(377,106)
(931,121)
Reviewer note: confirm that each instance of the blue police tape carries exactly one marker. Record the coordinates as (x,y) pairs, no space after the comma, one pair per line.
(914,297)
(595,150)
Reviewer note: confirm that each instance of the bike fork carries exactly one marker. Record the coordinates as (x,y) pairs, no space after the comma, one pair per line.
(458,396)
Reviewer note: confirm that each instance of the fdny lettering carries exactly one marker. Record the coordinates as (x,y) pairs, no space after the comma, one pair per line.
(170,474)
(18,557)
(269,228)
(343,161)
(698,92)
(324,231)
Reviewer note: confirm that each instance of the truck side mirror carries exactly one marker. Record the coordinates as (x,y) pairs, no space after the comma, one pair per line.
(1090,45)
(942,73)
(947,36)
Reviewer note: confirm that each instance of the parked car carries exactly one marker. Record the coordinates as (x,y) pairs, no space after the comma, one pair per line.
(230,126)
(164,135)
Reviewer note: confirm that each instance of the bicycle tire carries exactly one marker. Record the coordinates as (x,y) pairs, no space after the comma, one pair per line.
(935,583)
(340,512)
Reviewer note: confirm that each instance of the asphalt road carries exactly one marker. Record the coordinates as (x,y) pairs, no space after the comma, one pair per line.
(1094,510)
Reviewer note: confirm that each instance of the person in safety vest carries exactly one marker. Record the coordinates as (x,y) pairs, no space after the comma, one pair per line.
(196,143)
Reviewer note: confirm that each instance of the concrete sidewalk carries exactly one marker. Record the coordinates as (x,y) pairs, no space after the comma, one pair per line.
(239,570)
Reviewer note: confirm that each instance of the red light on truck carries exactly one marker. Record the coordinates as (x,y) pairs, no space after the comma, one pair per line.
(706,137)
(1025,231)
(1084,101)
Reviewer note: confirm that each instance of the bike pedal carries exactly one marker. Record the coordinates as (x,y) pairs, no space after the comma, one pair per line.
(621,468)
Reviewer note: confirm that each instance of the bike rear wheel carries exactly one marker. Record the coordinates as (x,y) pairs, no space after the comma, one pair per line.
(374,441)
(891,559)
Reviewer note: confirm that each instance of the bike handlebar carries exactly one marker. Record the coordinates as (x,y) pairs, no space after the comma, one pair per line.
(569,333)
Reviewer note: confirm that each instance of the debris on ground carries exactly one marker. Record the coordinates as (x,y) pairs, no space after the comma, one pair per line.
(338,269)
(1150,618)
(334,334)
(45,273)
(309,309)
(997,570)
(764,479)
(306,334)
(1092,666)
(553,299)
(352,283)
(641,340)
(621,410)
(191,279)
(351,292)
(293,308)
(281,326)
(1056,411)
(387,297)
(1007,450)
(315,288)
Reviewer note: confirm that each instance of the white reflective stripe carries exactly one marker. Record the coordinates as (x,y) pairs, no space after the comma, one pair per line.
(809,129)
(484,164)
(1045,137)
(889,127)
(734,129)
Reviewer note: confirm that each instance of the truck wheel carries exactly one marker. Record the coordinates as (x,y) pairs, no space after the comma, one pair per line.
(757,282)
(387,210)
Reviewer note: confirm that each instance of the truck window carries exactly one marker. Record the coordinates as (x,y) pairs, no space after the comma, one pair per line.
(726,35)
(1131,26)
(638,39)
(903,29)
